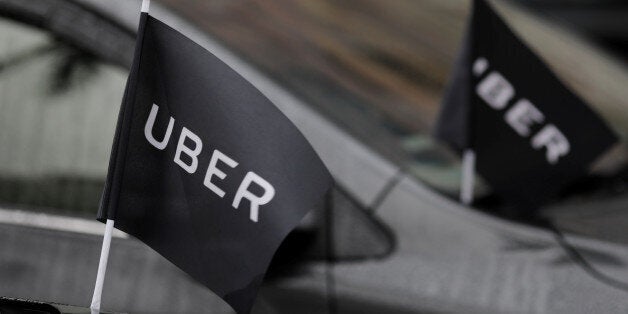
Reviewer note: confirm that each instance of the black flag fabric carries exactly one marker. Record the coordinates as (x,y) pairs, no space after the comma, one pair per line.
(531,135)
(204,169)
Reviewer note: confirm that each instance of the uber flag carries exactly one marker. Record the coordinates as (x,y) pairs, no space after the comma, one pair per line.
(204,169)
(531,135)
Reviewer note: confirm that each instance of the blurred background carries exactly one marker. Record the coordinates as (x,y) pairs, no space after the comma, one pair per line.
(363,80)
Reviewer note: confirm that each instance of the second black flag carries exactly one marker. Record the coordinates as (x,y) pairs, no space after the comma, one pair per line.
(532,135)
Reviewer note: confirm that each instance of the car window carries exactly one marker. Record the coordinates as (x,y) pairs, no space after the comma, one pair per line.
(59,106)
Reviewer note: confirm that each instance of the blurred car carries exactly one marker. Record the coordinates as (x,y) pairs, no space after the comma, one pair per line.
(401,243)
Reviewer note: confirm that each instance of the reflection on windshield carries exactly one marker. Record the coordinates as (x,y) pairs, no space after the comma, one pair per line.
(379,68)
(59,104)
(376,68)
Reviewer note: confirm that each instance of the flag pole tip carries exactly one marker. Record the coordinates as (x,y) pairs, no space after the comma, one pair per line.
(145,5)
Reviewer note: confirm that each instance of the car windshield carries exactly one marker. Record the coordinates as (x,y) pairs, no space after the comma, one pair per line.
(377,70)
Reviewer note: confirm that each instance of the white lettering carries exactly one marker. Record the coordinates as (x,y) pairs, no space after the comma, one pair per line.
(192,153)
(213,170)
(191,145)
(480,66)
(522,115)
(556,143)
(495,90)
(148,129)
(256,201)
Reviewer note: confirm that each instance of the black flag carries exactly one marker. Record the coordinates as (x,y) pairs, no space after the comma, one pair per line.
(204,169)
(531,135)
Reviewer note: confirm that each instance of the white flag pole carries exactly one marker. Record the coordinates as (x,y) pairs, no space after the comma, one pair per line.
(467,180)
(106,242)
(145,5)
(102,267)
